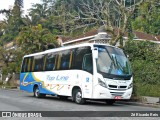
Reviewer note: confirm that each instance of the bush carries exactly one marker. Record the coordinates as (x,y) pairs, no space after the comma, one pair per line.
(1,83)
(145,62)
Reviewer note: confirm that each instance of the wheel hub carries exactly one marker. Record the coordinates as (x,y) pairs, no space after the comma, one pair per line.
(78,97)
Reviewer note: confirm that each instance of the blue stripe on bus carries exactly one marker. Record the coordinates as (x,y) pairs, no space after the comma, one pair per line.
(27,82)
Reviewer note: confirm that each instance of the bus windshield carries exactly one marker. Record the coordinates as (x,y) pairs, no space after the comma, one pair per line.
(112,63)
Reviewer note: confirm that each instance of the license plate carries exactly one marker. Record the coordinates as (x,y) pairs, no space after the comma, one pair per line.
(117,97)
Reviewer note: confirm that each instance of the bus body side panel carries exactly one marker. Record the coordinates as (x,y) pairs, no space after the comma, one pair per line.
(62,82)
(25,82)
(58,82)
(87,84)
(28,80)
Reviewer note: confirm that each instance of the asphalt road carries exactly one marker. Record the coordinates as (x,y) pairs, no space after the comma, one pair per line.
(15,100)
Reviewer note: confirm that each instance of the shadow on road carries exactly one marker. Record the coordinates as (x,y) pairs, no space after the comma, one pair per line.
(69,100)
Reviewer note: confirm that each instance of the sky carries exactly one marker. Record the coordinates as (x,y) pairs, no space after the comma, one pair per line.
(5,4)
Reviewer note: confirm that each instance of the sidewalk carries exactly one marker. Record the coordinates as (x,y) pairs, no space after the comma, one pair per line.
(144,101)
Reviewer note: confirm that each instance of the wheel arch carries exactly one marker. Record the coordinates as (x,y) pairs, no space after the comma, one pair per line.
(34,86)
(75,88)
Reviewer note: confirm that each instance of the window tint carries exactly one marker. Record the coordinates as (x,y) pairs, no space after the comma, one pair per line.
(38,63)
(27,63)
(50,62)
(24,65)
(79,54)
(65,60)
(88,63)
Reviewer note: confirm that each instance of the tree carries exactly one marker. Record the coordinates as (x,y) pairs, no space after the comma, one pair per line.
(19,3)
(148,18)
(144,57)
(35,39)
(110,13)
(12,24)
(7,56)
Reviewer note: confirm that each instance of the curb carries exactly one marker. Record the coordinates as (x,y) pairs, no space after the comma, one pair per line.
(9,88)
(155,105)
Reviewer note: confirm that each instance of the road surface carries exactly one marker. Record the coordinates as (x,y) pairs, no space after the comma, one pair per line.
(16,100)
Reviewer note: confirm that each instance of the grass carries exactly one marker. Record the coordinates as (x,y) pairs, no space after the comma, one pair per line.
(1,83)
(147,90)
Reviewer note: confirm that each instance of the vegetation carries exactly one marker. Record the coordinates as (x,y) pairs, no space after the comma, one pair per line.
(37,32)
(144,57)
(148,17)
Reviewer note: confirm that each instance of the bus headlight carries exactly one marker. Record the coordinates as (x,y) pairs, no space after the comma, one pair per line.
(130,86)
(101,83)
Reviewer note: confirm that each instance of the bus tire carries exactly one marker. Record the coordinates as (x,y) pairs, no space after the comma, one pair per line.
(78,97)
(110,102)
(37,93)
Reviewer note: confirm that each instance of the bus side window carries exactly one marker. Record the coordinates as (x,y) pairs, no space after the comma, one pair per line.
(26,66)
(30,64)
(79,54)
(65,60)
(38,63)
(50,62)
(88,63)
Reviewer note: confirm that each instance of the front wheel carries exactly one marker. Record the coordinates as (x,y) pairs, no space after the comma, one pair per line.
(78,97)
(37,93)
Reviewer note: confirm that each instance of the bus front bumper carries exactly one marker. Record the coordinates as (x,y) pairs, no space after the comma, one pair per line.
(104,93)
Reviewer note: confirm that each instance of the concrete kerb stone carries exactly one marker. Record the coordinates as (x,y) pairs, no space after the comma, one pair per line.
(152,100)
(143,101)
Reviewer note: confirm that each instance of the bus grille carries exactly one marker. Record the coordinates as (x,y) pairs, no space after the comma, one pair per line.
(117,87)
(112,86)
(117,93)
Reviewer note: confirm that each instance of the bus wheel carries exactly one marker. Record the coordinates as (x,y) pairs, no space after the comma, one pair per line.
(78,97)
(110,102)
(37,93)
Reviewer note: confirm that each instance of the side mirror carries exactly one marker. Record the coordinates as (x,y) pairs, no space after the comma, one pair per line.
(95,53)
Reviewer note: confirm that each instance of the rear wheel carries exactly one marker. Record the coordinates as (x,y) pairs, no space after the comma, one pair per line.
(78,97)
(37,93)
(110,102)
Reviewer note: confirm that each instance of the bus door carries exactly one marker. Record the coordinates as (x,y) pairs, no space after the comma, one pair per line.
(88,76)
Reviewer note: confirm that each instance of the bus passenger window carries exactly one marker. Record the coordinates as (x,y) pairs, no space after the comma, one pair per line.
(65,60)
(50,62)
(24,65)
(38,63)
(27,63)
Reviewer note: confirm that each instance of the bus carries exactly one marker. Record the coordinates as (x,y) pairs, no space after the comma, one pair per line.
(87,71)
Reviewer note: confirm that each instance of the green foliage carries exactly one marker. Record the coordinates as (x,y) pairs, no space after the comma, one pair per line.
(13,23)
(148,18)
(35,39)
(145,61)
(1,83)
(11,60)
